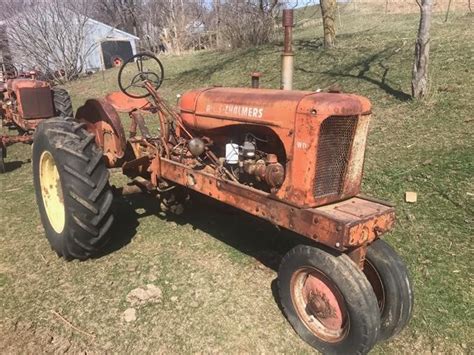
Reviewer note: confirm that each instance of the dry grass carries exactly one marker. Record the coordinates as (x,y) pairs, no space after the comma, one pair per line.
(215,266)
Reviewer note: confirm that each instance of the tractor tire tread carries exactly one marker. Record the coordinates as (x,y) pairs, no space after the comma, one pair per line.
(399,296)
(84,177)
(357,292)
(62,102)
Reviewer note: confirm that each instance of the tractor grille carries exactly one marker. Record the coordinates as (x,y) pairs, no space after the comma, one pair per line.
(335,141)
(36,102)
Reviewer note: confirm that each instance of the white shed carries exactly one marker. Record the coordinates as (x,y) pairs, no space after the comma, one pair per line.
(106,46)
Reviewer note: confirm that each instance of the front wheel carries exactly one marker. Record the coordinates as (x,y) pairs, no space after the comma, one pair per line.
(391,283)
(72,189)
(328,301)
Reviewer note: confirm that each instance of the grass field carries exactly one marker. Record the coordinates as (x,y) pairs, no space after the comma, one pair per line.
(215,266)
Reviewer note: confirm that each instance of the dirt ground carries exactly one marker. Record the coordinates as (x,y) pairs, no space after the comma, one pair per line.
(213,272)
(205,282)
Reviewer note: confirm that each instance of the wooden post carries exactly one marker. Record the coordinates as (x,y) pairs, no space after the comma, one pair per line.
(447,11)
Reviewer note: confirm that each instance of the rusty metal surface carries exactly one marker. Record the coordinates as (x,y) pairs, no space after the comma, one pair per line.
(9,140)
(34,103)
(215,107)
(295,118)
(16,84)
(103,121)
(287,19)
(316,297)
(256,79)
(310,158)
(124,103)
(343,225)
(355,164)
(138,120)
(26,103)
(335,140)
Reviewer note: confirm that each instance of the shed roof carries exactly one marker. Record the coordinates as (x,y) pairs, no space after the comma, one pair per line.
(126,34)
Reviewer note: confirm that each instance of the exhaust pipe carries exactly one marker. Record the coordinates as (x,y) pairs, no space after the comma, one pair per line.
(256,79)
(288,55)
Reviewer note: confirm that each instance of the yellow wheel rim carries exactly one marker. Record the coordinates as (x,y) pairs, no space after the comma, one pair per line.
(52,192)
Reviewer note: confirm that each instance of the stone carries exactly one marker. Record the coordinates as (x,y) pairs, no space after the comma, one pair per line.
(130,315)
(139,296)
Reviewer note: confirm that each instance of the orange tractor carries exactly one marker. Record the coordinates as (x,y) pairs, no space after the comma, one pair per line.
(26,102)
(293,158)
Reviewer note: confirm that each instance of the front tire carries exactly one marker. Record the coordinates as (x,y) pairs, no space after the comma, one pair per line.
(328,301)
(72,189)
(389,278)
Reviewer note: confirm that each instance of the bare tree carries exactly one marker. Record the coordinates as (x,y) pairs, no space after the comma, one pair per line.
(125,15)
(328,12)
(419,83)
(177,25)
(180,25)
(249,22)
(50,36)
(215,21)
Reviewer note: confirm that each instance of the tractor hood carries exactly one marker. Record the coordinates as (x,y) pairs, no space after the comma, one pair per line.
(16,84)
(266,106)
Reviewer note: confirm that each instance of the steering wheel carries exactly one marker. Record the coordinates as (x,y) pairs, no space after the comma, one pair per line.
(137,71)
(8,71)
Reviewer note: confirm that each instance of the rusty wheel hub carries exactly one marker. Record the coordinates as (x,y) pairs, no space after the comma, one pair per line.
(319,304)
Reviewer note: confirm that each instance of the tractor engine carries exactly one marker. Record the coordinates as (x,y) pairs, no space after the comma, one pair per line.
(252,166)
(304,147)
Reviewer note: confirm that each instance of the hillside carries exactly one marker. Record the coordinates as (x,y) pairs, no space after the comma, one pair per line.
(216,270)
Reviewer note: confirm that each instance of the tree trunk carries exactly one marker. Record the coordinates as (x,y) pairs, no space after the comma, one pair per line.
(5,54)
(419,82)
(217,9)
(328,12)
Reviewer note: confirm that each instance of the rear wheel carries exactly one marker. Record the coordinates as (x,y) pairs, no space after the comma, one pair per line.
(62,103)
(328,301)
(72,189)
(389,278)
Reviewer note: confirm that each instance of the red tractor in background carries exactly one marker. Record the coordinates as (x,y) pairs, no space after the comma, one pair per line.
(293,158)
(25,102)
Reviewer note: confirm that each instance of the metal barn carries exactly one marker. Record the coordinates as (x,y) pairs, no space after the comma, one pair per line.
(106,46)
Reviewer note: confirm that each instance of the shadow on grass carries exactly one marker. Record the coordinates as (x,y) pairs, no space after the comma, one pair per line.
(363,66)
(213,63)
(359,69)
(14,165)
(248,234)
(126,220)
(309,44)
